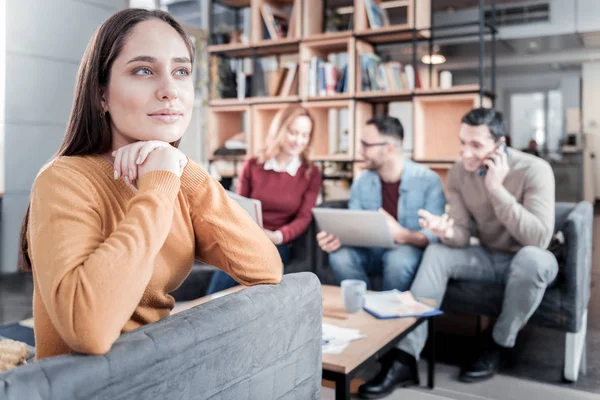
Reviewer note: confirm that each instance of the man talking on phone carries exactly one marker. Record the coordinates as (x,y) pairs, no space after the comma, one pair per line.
(508,197)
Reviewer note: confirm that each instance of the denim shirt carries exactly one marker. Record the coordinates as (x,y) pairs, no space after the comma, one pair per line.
(420,187)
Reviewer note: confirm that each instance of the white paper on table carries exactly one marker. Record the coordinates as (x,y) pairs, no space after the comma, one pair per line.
(336,339)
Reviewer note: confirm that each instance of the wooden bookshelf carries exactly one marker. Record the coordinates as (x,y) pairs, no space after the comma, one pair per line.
(457,89)
(436,112)
(323,48)
(259,27)
(263,115)
(239,50)
(275,99)
(436,138)
(229,102)
(440,168)
(235,3)
(224,123)
(398,32)
(336,116)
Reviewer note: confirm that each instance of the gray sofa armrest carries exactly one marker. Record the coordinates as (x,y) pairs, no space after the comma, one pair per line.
(263,342)
(576,277)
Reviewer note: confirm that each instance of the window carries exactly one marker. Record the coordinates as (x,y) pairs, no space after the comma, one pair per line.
(537,116)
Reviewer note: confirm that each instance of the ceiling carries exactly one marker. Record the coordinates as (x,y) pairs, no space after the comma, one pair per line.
(444,5)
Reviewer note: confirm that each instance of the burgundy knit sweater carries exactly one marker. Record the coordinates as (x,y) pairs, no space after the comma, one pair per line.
(286,200)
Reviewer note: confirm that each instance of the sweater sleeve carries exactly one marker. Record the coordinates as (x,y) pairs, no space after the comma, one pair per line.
(244,183)
(91,284)
(458,211)
(226,235)
(303,217)
(532,222)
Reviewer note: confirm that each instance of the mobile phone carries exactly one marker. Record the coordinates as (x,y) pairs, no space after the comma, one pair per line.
(500,144)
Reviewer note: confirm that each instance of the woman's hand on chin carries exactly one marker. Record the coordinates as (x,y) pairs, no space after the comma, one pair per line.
(137,159)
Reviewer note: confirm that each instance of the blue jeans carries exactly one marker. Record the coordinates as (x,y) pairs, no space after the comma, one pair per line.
(398,266)
(221,280)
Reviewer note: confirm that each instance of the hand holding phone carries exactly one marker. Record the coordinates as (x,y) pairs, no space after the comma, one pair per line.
(496,167)
(499,148)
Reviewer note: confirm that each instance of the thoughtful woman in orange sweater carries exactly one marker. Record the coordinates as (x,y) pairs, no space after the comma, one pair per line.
(284,180)
(118,216)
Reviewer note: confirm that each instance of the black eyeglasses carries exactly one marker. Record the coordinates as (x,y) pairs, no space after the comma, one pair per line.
(367,145)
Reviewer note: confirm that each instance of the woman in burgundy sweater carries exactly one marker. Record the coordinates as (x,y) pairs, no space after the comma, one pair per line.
(284,180)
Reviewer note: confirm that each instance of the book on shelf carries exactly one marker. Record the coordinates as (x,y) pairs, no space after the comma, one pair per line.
(338,131)
(328,77)
(395,304)
(276,20)
(290,85)
(386,76)
(283,83)
(376,15)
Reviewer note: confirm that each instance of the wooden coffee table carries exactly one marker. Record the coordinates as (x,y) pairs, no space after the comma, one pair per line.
(382,336)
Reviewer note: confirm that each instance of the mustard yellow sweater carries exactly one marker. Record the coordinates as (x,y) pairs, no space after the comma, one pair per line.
(105,258)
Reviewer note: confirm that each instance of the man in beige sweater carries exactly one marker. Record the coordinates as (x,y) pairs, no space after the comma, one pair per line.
(508,196)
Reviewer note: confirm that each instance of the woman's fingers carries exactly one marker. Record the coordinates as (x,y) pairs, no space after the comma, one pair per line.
(125,163)
(147,148)
(117,163)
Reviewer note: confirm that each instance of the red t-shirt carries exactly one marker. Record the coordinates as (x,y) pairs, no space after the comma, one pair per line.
(390,194)
(286,200)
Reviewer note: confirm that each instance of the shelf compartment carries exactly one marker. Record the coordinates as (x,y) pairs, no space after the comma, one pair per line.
(223,124)
(322,49)
(400,18)
(263,115)
(333,134)
(437,124)
(315,13)
(260,25)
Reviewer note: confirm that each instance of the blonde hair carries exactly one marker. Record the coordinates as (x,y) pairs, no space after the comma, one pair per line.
(279,129)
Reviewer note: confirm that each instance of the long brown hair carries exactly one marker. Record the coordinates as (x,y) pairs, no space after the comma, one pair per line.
(89,130)
(279,129)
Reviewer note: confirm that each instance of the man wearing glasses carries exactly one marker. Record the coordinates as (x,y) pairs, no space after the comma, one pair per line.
(397,187)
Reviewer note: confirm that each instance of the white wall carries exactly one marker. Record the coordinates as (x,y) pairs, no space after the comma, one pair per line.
(591,127)
(2,88)
(44,44)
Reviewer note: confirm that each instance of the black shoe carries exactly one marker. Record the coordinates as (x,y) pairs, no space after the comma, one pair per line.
(398,369)
(486,366)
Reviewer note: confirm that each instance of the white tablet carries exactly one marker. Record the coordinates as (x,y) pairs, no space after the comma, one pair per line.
(356,228)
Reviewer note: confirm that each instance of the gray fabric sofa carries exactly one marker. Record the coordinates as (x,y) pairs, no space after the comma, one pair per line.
(263,342)
(565,303)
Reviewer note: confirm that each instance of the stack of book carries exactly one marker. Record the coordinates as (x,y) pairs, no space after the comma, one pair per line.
(387,76)
(328,77)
